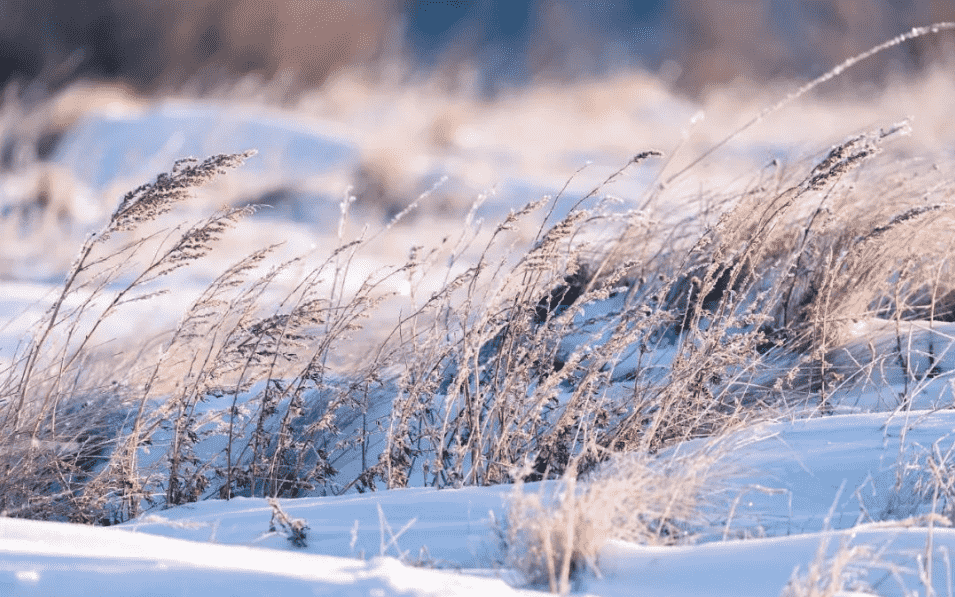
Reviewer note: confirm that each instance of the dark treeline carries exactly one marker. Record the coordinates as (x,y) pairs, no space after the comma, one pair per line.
(153,44)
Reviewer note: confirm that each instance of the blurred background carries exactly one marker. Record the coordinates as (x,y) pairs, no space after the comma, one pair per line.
(436,103)
(165,44)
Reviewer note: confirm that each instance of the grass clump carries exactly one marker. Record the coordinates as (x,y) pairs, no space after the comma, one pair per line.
(569,352)
(554,534)
(57,418)
(595,340)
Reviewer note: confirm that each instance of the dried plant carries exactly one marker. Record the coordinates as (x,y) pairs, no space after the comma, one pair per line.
(554,534)
(49,377)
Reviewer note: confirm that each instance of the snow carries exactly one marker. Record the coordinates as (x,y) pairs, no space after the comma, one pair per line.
(136,145)
(54,559)
(357,544)
(801,489)
(448,528)
(763,566)
(902,363)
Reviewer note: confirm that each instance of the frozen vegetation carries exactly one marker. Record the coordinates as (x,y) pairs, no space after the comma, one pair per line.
(654,376)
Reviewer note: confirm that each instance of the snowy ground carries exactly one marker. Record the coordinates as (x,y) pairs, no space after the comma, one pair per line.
(803,489)
(834,477)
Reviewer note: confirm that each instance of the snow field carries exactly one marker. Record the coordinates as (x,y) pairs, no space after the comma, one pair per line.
(849,498)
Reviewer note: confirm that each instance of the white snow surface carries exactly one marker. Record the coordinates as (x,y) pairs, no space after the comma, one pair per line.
(422,541)
(107,146)
(51,559)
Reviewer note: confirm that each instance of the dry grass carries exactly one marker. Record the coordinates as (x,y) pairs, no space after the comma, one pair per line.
(554,534)
(485,376)
(532,360)
(839,574)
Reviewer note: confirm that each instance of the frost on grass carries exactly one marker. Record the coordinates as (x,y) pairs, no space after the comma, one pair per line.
(58,421)
(592,340)
(554,535)
(293,529)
